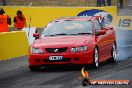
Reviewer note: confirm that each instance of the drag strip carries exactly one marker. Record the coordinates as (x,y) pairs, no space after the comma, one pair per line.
(14,73)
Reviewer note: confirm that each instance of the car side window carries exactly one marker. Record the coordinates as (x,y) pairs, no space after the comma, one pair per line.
(97,25)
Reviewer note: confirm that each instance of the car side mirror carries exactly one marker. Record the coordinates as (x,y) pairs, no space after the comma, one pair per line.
(111,28)
(36,35)
(101,32)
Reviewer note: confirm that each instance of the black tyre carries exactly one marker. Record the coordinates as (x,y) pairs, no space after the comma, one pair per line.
(84,82)
(34,68)
(113,54)
(96,58)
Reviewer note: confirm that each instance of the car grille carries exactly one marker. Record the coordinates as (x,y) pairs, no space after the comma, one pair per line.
(56,50)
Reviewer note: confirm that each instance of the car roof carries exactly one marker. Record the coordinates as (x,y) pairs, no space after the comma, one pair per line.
(78,18)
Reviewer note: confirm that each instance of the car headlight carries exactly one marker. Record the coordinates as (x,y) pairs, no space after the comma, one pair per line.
(73,49)
(79,49)
(36,50)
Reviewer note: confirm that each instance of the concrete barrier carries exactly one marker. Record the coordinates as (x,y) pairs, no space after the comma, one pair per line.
(123,22)
(41,16)
(13,44)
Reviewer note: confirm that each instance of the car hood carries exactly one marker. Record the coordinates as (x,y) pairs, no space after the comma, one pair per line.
(61,41)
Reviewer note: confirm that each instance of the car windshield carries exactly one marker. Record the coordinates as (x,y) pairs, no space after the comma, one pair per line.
(68,28)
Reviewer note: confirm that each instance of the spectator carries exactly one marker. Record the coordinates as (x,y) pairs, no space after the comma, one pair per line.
(19,21)
(121,4)
(4,21)
(126,2)
(4,2)
(109,2)
(100,3)
(103,3)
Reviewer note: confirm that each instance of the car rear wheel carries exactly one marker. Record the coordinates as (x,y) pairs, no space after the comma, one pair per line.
(34,68)
(113,54)
(96,58)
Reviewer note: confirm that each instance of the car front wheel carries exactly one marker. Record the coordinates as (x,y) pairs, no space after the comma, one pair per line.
(96,58)
(113,54)
(34,68)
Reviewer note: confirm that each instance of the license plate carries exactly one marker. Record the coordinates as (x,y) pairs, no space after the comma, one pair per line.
(55,57)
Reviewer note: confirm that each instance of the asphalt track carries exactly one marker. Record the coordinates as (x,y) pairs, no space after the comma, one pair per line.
(14,73)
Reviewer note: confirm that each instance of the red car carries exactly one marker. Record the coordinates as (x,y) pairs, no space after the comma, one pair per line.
(75,40)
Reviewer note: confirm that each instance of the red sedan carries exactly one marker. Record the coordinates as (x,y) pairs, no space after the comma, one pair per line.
(75,40)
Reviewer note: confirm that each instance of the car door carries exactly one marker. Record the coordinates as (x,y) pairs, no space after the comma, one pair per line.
(101,41)
(109,40)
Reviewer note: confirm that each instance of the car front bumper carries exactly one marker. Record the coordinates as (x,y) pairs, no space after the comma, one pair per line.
(85,57)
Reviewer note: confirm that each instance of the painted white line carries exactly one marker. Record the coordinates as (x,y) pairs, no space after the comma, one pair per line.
(130,5)
(126,46)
